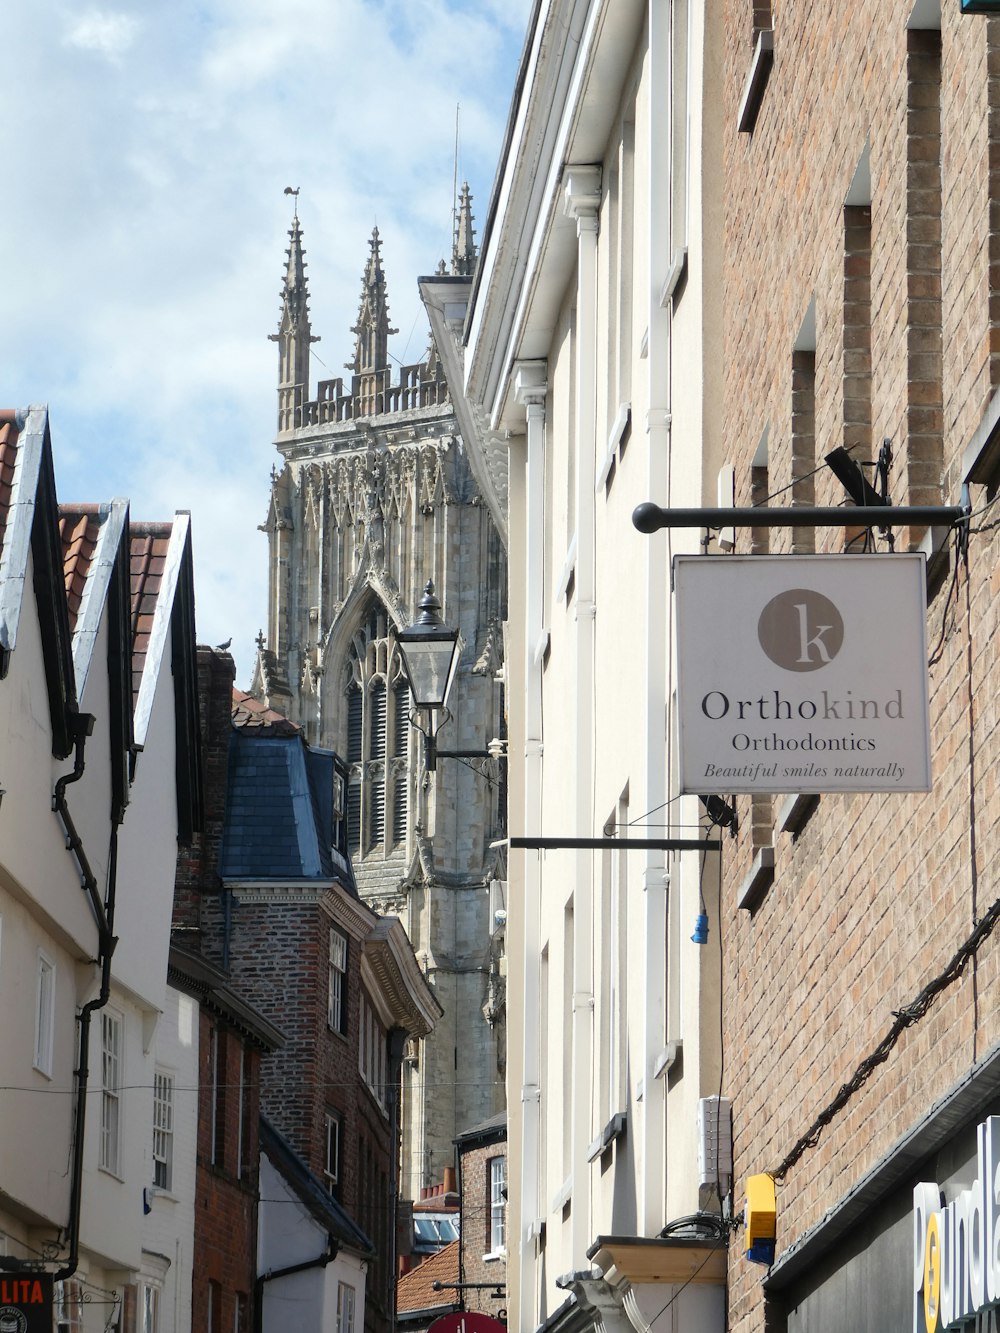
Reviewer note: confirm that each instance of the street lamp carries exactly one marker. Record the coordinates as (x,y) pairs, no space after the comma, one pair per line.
(429,652)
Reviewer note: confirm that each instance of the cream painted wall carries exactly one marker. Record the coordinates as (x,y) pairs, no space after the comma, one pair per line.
(669,985)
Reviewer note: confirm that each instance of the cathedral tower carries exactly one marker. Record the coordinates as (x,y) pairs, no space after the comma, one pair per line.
(373,496)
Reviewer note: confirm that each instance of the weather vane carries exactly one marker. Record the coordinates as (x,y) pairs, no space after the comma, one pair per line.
(295,194)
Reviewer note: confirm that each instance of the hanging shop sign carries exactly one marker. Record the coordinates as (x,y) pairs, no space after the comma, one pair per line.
(980,6)
(956,1264)
(802,673)
(25,1303)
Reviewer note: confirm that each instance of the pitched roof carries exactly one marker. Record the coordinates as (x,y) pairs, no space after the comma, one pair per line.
(318,1201)
(249,711)
(493,1130)
(31,531)
(414,1290)
(9,431)
(148,547)
(79,529)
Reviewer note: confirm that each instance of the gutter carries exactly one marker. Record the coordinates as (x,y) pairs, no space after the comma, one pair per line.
(272,1274)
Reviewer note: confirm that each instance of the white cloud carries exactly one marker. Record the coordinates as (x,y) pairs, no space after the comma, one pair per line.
(107,33)
(146,236)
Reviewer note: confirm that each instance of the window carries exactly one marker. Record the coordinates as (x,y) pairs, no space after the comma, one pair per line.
(336,1005)
(68,1301)
(163,1129)
(372,1055)
(377,748)
(497,1167)
(214,1308)
(345,1308)
(240,1313)
(149,1308)
(45,1014)
(244,1167)
(112,1026)
(331,1156)
(217,1058)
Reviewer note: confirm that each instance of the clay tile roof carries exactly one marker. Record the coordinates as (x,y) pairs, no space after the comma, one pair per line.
(414,1290)
(79,528)
(251,712)
(8,452)
(148,543)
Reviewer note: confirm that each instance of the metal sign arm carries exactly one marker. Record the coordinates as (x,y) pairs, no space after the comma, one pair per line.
(649,517)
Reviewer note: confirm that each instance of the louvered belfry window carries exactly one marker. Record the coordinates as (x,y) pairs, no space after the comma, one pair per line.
(377,740)
(354,755)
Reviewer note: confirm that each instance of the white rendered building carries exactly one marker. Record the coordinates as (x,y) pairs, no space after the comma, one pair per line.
(591,353)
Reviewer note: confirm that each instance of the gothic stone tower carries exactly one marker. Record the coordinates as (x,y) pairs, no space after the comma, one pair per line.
(373,497)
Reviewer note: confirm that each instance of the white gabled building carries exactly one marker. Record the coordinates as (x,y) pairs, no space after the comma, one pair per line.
(591,347)
(100,770)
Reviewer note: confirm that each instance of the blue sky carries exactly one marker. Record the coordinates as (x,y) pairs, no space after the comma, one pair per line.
(146,147)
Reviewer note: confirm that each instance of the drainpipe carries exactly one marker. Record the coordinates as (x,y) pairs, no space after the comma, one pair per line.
(397,1044)
(530,388)
(321,1261)
(582,200)
(83,726)
(655,617)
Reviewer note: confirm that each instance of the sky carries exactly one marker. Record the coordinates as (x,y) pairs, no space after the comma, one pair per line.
(146,148)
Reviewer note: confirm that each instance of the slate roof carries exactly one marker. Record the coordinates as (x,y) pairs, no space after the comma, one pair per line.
(279,810)
(414,1290)
(317,1200)
(493,1130)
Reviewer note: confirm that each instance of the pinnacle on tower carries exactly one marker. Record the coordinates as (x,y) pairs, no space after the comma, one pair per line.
(371,350)
(463,251)
(294,335)
(295,292)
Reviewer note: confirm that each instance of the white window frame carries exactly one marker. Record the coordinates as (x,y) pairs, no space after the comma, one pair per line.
(68,1302)
(45,1014)
(148,1313)
(372,1056)
(497,1168)
(163,1129)
(331,1160)
(346,1305)
(336,1003)
(112,1058)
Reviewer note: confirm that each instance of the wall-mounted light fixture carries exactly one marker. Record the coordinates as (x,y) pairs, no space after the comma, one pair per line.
(430,653)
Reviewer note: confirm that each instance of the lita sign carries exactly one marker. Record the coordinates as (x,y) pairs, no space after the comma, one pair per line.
(802,673)
(26,1303)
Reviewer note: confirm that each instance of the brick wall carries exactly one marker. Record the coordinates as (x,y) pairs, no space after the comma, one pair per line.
(475,1227)
(872,898)
(225,1238)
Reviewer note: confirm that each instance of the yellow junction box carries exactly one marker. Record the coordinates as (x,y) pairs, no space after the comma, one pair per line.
(760,1218)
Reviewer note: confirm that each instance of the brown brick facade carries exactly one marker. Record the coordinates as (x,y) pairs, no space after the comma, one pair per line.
(225,1236)
(481,1261)
(872,899)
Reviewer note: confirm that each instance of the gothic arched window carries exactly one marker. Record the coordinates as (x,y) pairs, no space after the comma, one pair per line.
(377,715)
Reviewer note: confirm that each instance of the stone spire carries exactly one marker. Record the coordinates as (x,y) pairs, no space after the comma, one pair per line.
(463,251)
(371,350)
(294,335)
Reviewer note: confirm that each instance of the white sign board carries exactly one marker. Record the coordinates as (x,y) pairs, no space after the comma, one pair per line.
(802,673)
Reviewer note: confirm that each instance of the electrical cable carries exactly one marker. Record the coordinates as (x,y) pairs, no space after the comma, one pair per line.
(902,1019)
(935,656)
